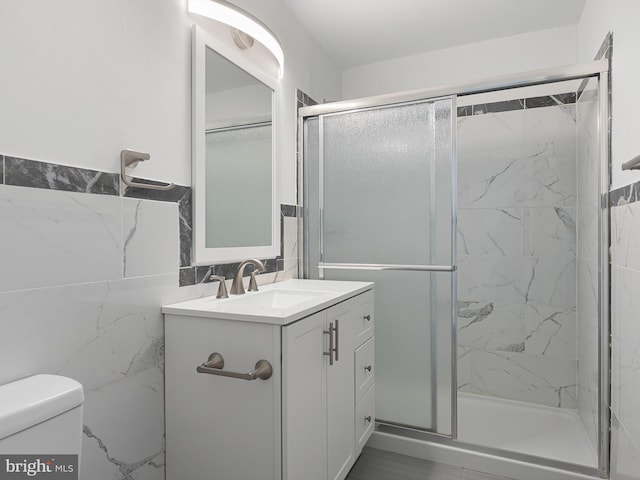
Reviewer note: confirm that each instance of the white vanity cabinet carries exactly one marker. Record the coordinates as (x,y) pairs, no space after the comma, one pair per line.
(307,421)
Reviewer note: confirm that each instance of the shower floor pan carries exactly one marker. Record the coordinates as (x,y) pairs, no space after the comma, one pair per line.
(548,432)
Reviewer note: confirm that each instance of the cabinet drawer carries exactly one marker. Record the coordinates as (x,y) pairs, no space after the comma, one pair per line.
(364,318)
(365,419)
(365,355)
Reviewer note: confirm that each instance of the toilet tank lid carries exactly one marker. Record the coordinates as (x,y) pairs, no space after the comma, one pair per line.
(32,400)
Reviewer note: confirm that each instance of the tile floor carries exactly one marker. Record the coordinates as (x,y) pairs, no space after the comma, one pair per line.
(376,464)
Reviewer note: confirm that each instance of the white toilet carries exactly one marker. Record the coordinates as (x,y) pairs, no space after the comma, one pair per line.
(41,414)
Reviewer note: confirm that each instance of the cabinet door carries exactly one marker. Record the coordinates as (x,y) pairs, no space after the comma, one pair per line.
(214,424)
(340,393)
(304,399)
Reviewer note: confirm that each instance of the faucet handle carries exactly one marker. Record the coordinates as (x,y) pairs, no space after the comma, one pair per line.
(236,287)
(222,288)
(253,285)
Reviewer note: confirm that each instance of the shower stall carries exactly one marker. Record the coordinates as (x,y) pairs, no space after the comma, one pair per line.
(480,212)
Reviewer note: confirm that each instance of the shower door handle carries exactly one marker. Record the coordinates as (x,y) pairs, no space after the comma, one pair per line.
(386,266)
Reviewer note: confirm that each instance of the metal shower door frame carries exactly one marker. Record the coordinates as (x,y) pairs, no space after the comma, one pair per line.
(597,69)
(451,268)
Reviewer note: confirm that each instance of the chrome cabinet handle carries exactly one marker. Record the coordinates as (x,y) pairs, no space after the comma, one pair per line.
(214,365)
(331,346)
(333,341)
(368,368)
(337,334)
(367,318)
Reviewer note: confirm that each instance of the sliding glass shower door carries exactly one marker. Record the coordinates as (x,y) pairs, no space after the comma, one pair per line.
(379,206)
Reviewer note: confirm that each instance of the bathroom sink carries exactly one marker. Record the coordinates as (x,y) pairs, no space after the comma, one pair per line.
(278,299)
(277,303)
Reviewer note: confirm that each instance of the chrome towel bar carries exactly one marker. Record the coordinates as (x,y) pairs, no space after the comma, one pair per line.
(633,164)
(129,159)
(263,369)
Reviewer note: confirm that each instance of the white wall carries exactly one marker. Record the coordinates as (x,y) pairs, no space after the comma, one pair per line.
(475,61)
(83,79)
(619,16)
(85,274)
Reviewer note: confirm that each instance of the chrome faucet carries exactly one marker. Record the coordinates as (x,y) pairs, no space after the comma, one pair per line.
(236,287)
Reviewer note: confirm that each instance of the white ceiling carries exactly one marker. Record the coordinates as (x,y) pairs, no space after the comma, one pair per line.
(357,32)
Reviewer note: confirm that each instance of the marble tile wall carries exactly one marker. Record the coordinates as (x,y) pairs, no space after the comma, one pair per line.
(517,250)
(625,333)
(85,272)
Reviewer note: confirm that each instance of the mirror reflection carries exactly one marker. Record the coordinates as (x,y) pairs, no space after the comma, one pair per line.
(238,156)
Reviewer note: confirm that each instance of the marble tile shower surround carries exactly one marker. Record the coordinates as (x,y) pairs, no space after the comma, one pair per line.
(517,250)
(81,293)
(625,333)
(518,104)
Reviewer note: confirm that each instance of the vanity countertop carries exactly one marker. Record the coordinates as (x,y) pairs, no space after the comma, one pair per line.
(278,303)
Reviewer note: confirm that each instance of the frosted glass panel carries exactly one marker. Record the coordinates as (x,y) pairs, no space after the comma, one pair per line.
(240,157)
(413,346)
(387,185)
(378,189)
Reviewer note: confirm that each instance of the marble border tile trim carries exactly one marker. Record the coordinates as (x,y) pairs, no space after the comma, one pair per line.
(173,195)
(185,214)
(551,100)
(606,47)
(36,174)
(465,111)
(192,275)
(304,99)
(228,270)
(588,96)
(625,195)
(187,276)
(605,51)
(21,172)
(519,104)
(289,210)
(495,107)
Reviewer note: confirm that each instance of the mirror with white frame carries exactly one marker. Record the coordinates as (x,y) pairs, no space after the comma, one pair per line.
(235,214)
